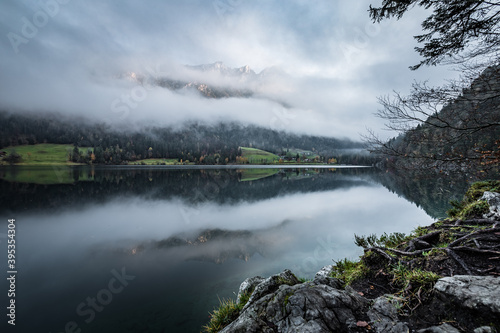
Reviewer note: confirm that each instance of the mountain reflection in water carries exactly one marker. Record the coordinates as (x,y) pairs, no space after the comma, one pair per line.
(189,237)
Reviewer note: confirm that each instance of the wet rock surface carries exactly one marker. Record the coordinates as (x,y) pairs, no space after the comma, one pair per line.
(281,303)
(470,298)
(384,316)
(443,328)
(493,200)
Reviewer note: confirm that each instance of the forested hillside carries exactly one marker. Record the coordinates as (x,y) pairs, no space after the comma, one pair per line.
(455,125)
(193,142)
(464,132)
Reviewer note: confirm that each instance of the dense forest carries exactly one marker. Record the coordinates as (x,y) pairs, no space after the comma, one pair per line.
(193,142)
(465,132)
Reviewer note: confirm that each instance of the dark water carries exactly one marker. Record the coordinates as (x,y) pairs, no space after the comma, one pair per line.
(153,249)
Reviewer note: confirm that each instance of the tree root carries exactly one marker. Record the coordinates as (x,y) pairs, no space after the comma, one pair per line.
(459,260)
(457,226)
(404,265)
(381,252)
(477,221)
(479,232)
(478,242)
(471,249)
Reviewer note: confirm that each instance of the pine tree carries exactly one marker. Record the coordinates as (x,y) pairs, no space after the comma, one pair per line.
(455,31)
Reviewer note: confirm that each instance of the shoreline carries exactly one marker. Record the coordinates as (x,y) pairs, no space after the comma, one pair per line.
(244,166)
(444,277)
(201,167)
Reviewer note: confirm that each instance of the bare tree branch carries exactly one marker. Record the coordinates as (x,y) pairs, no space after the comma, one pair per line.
(458,122)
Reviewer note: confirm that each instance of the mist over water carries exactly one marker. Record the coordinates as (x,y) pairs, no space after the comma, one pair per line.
(152,249)
(183,238)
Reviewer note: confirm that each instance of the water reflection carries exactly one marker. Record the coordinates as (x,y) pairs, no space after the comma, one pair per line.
(187,238)
(100,185)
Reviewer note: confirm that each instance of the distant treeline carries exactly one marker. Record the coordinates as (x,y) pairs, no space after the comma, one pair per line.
(193,142)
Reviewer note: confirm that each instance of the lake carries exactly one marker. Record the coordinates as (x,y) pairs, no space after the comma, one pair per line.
(153,249)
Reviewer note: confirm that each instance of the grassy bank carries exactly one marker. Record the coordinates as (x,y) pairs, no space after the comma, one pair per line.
(44,154)
(257,156)
(59,154)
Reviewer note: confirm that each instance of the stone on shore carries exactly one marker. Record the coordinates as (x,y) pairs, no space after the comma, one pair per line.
(281,303)
(477,293)
(384,317)
(493,200)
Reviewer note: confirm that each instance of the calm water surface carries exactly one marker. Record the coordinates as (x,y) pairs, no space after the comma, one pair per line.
(153,249)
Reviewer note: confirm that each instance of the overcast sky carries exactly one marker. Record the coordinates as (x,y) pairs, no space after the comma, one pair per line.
(67,55)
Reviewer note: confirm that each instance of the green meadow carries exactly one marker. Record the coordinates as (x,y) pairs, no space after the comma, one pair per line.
(257,156)
(44,154)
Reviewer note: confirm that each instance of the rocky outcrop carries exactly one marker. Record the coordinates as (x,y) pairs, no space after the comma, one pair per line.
(282,303)
(478,295)
(443,328)
(384,317)
(493,200)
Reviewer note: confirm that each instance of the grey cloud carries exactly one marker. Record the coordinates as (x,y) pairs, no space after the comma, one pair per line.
(335,60)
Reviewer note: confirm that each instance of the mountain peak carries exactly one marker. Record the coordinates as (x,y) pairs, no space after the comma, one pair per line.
(220,67)
(245,70)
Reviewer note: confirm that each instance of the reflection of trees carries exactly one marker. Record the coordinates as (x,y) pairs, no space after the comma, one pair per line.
(432,192)
(195,187)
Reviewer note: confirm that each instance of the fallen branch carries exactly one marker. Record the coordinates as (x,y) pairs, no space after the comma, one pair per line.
(479,221)
(381,252)
(479,232)
(410,254)
(459,260)
(457,226)
(471,249)
(403,253)
(477,243)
